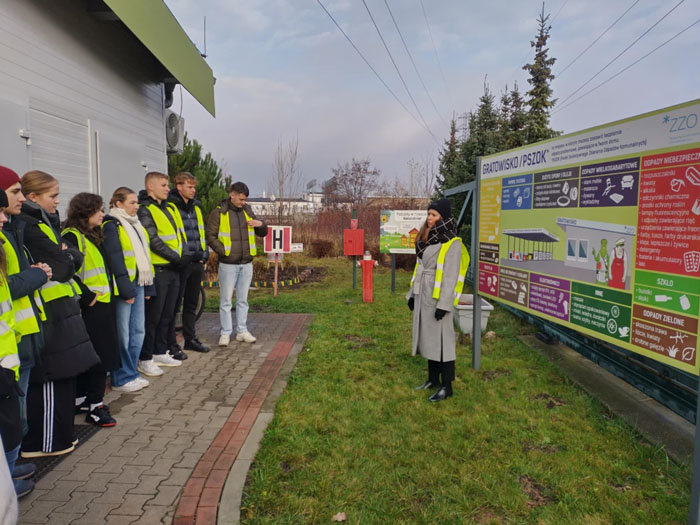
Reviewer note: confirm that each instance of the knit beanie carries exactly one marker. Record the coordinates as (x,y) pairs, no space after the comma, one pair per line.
(7,178)
(443,207)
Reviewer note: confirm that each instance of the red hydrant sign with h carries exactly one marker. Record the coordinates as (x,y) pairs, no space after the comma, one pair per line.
(278,239)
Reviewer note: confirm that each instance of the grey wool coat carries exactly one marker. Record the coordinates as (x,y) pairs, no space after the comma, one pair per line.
(433,339)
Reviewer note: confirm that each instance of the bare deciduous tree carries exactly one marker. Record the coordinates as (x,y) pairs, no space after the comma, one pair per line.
(422,175)
(286,174)
(356,180)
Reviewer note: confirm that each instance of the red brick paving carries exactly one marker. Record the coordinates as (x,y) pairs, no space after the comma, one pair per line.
(200,498)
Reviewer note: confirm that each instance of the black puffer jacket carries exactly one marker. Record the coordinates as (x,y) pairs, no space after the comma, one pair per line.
(189,221)
(240,249)
(157,245)
(67,349)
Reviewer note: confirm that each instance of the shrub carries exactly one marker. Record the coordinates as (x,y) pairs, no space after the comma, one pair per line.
(321,248)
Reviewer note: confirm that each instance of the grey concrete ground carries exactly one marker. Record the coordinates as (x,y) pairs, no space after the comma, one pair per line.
(135,471)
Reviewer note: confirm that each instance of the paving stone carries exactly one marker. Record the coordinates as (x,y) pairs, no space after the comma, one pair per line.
(178,476)
(189,460)
(98,481)
(64,518)
(113,519)
(133,505)
(114,494)
(147,485)
(167,495)
(62,490)
(78,502)
(40,511)
(81,472)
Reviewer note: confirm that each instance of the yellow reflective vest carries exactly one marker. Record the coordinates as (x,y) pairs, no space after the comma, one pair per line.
(463,267)
(93,272)
(225,234)
(53,290)
(26,321)
(172,236)
(9,358)
(129,254)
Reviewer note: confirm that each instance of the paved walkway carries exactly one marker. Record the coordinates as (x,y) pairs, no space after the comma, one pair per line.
(179,440)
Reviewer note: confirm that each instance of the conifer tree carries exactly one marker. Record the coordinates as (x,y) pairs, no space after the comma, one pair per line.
(540,101)
(212,184)
(448,170)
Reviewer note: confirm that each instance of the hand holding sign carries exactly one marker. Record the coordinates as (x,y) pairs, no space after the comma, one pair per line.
(254,223)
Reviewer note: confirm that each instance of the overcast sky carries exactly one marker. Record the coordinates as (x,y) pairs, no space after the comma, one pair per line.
(283,70)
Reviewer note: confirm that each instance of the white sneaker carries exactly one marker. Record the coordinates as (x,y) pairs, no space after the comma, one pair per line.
(149,368)
(224,340)
(166,360)
(246,337)
(142,381)
(129,386)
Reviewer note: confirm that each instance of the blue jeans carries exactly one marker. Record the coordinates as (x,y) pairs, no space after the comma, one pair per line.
(130,332)
(11,458)
(238,277)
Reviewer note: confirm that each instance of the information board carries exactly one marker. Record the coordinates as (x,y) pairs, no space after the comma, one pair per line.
(600,231)
(398,230)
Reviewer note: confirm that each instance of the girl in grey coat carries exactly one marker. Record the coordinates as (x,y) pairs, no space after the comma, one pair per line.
(433,330)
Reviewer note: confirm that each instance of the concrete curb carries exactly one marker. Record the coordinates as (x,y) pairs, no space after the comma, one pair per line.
(655,422)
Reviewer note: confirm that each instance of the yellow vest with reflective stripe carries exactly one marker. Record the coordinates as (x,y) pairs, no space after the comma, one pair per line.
(53,290)
(200,225)
(463,266)
(169,234)
(25,319)
(93,272)
(129,255)
(8,341)
(225,234)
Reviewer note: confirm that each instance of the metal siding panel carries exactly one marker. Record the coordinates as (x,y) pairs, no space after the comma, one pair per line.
(60,147)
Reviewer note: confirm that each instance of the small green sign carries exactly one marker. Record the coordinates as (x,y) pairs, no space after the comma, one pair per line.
(609,319)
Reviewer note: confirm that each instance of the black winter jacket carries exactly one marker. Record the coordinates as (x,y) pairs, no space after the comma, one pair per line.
(67,349)
(114,258)
(157,245)
(189,221)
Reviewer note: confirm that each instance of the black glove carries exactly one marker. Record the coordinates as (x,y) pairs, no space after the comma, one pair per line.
(185,260)
(439,314)
(411,302)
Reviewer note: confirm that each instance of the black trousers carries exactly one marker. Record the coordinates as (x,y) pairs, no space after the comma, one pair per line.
(92,383)
(441,373)
(50,414)
(190,285)
(160,311)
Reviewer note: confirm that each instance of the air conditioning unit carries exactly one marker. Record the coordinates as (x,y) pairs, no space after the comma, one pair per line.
(174,132)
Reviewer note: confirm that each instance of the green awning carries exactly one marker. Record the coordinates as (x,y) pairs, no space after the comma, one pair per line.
(155,26)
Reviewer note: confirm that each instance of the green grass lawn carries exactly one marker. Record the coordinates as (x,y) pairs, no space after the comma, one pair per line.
(518,442)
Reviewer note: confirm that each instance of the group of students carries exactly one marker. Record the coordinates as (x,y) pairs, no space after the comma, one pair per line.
(96,297)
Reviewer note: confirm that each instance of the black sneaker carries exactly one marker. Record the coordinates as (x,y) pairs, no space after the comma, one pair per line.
(101,417)
(82,408)
(196,345)
(177,353)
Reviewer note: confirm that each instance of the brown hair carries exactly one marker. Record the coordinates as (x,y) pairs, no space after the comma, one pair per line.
(37,182)
(423,232)
(80,209)
(120,195)
(185,176)
(151,175)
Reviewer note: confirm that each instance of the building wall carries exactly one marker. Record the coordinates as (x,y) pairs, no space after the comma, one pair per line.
(84,92)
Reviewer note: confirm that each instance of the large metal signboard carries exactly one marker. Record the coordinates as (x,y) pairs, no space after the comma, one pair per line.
(600,231)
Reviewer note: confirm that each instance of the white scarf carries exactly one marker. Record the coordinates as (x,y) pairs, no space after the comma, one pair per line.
(137,236)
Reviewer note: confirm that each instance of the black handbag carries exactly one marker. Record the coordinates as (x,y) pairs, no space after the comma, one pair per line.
(10,420)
